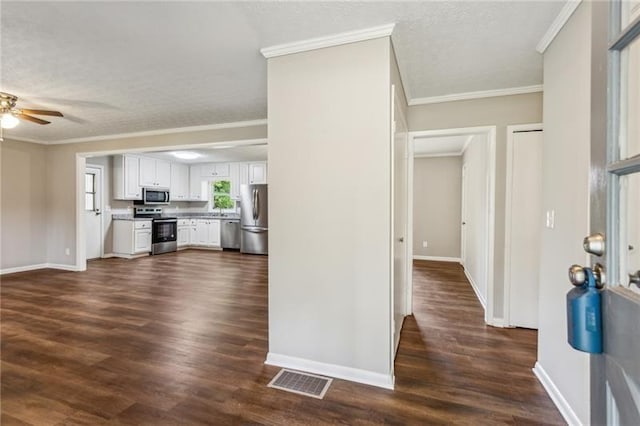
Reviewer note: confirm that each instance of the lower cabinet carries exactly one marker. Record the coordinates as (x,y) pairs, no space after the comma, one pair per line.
(131,237)
(183,236)
(206,232)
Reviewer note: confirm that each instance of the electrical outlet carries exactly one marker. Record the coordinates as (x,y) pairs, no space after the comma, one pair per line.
(67,251)
(425,244)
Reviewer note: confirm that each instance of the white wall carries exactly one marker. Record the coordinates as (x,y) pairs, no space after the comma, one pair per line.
(475,161)
(329,210)
(24,210)
(437,193)
(565,189)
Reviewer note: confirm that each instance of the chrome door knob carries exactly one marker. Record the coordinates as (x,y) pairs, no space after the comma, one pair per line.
(577,276)
(635,278)
(594,244)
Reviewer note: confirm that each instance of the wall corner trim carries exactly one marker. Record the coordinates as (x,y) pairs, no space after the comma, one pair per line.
(557,25)
(328,41)
(554,393)
(332,370)
(437,258)
(476,95)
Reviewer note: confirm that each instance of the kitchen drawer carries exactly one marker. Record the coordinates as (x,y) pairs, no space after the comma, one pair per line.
(142,224)
(184,222)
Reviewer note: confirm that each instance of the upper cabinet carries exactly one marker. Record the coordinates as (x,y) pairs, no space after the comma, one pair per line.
(155,172)
(126,185)
(197,184)
(214,170)
(258,172)
(179,188)
(186,182)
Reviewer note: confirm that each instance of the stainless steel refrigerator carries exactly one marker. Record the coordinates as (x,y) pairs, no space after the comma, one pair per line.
(254,220)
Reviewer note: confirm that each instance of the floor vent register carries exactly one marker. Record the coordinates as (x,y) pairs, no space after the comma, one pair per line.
(301,383)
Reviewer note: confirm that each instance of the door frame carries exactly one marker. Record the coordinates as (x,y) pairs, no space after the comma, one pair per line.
(81,164)
(395,340)
(101,168)
(490,132)
(508,216)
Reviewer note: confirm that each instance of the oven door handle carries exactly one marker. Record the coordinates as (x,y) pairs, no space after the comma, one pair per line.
(165,220)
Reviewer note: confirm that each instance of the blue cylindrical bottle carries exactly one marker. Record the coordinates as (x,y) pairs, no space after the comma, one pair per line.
(584,316)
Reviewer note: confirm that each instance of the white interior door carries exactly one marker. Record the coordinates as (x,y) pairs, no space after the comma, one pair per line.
(400,260)
(523,233)
(93,211)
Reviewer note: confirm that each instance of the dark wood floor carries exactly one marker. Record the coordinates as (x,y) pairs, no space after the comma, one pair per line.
(181,339)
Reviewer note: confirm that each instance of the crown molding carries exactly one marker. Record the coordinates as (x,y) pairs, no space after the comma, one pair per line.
(476,95)
(235,124)
(327,41)
(19,139)
(557,24)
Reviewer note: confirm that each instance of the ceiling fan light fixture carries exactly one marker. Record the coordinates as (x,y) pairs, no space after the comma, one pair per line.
(8,120)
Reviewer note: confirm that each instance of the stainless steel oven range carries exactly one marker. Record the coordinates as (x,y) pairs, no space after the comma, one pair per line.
(164,229)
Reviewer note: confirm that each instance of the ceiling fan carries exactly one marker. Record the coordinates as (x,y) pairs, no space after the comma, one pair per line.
(10,116)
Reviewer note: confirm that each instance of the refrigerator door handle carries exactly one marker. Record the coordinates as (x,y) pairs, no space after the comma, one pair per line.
(255,230)
(255,204)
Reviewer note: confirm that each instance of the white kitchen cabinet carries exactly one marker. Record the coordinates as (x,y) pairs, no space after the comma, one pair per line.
(207,233)
(197,185)
(193,232)
(131,237)
(142,241)
(126,183)
(215,170)
(213,239)
(258,172)
(234,177)
(155,173)
(179,182)
(184,234)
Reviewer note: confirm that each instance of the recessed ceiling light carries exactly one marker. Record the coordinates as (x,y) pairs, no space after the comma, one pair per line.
(186,155)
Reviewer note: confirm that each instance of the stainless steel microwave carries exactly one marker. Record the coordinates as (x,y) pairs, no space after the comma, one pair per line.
(155,196)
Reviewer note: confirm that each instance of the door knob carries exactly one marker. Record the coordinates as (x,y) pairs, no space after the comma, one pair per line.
(635,278)
(594,244)
(401,239)
(578,276)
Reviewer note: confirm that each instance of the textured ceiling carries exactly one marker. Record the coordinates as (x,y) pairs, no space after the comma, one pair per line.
(119,67)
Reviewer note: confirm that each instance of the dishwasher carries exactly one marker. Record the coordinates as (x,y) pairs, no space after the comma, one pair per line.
(230,234)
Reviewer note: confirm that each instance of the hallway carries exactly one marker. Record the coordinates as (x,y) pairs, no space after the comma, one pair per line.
(448,353)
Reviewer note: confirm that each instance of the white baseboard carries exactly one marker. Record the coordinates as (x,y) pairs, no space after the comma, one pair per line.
(554,393)
(38,266)
(22,268)
(480,297)
(437,258)
(108,255)
(331,370)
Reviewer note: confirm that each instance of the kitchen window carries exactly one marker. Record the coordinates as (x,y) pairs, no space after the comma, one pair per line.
(220,191)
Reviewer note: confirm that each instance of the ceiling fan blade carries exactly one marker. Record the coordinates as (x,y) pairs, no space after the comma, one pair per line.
(42,112)
(23,116)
